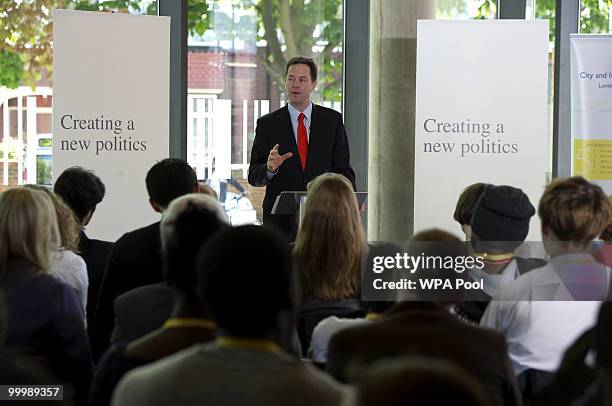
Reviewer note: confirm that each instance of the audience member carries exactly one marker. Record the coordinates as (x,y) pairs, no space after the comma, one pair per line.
(543,311)
(499,225)
(66,265)
(17,370)
(417,381)
(44,316)
(186,224)
(82,191)
(329,250)
(135,259)
(373,310)
(142,310)
(251,299)
(427,329)
(464,210)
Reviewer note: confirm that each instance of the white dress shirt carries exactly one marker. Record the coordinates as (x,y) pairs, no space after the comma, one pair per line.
(538,314)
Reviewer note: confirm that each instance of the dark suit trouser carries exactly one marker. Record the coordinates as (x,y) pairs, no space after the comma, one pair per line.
(286,224)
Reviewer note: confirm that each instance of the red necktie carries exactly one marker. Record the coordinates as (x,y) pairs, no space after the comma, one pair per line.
(302,140)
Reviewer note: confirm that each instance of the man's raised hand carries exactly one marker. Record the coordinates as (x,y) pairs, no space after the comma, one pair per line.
(275,160)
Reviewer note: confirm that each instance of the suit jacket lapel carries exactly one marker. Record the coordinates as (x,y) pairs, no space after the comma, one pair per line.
(290,143)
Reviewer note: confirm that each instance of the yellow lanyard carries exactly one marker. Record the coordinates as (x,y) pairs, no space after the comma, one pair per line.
(248,343)
(184,322)
(373,316)
(494,257)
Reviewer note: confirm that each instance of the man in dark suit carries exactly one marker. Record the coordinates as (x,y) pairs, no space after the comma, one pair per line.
(82,191)
(135,259)
(297,143)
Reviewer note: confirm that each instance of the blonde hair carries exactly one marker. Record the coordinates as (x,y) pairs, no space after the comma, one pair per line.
(331,242)
(28,228)
(68,225)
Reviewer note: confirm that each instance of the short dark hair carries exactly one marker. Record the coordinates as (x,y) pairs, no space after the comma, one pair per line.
(169,179)
(184,228)
(81,189)
(246,280)
(297,60)
(464,210)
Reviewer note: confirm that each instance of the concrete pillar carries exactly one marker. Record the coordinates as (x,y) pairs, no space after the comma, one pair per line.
(391,115)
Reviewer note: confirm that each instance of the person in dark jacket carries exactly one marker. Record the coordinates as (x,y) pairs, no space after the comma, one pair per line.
(187,223)
(135,259)
(45,320)
(82,191)
(421,328)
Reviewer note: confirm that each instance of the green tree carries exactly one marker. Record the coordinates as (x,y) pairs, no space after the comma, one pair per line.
(290,27)
(303,25)
(594,14)
(27,30)
(10,69)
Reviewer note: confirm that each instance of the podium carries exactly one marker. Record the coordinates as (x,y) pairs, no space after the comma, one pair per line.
(292,203)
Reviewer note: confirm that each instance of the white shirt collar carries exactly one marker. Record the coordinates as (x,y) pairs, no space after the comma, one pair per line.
(295,113)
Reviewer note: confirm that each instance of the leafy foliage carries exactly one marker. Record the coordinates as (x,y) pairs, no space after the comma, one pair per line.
(594,14)
(10,69)
(27,29)
(298,27)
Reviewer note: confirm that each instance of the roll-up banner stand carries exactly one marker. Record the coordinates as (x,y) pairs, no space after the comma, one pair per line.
(481,113)
(591,87)
(110,108)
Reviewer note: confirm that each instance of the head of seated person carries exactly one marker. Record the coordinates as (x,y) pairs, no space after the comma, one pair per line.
(169,179)
(500,222)
(81,190)
(186,224)
(573,212)
(375,303)
(331,242)
(417,381)
(246,282)
(28,229)
(443,259)
(68,225)
(464,209)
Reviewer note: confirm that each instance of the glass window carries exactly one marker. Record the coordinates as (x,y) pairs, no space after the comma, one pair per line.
(237,55)
(26,88)
(595,16)
(466,9)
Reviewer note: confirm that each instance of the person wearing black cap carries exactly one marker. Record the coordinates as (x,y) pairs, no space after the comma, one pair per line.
(500,224)
(544,311)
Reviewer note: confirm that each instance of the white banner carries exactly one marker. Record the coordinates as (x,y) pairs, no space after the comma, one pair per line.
(481,113)
(110,108)
(591,89)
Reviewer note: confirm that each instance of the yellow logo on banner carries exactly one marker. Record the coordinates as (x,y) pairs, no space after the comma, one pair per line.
(593,159)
